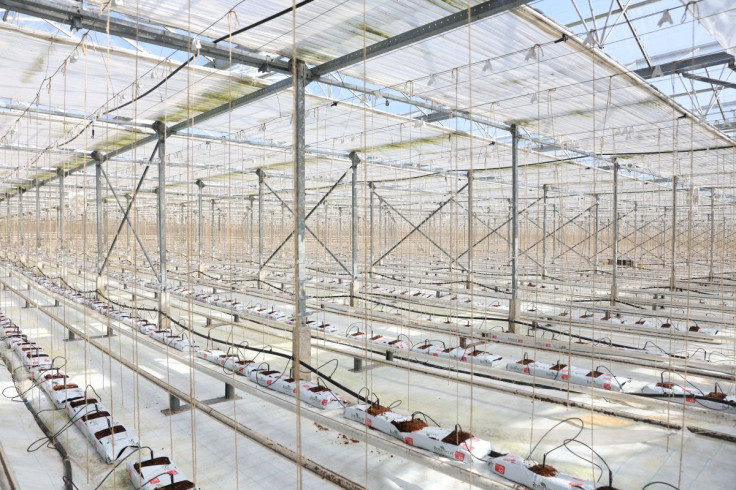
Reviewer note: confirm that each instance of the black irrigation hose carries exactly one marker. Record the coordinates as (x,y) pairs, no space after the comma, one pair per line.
(277,354)
(678,289)
(130,307)
(67,478)
(688,396)
(78,291)
(503,319)
(659,483)
(221,279)
(580,337)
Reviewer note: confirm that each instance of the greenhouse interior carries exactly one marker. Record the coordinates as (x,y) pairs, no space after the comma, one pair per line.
(377,244)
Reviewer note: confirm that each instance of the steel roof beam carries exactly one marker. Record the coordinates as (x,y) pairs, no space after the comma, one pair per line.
(714,81)
(413,36)
(126,29)
(682,66)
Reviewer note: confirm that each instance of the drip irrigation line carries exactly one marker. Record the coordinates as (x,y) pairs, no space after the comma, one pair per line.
(581,337)
(67,477)
(269,351)
(123,305)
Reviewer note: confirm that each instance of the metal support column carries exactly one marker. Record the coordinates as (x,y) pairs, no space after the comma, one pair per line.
(614,261)
(711,274)
(354,161)
(38,217)
(20,219)
(595,233)
(21,239)
(544,230)
(128,234)
(469,284)
(514,304)
(509,252)
(251,199)
(302,344)
(212,227)
(339,230)
(261,272)
(200,224)
(98,219)
(554,233)
(370,233)
(60,172)
(673,281)
(163,297)
(634,248)
(8,236)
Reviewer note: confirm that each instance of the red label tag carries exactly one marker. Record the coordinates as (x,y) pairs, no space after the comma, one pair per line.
(409,441)
(499,468)
(460,456)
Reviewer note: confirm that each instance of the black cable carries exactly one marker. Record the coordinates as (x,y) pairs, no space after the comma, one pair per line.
(659,483)
(580,431)
(262,21)
(138,449)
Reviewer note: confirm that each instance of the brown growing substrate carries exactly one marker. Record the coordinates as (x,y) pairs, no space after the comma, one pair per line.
(161,460)
(376,409)
(394,342)
(476,353)
(524,362)
(266,373)
(376,337)
(594,374)
(180,485)
(695,328)
(412,425)
(457,437)
(669,386)
(666,325)
(65,387)
(109,431)
(94,415)
(558,367)
(543,470)
(318,389)
(717,394)
(83,401)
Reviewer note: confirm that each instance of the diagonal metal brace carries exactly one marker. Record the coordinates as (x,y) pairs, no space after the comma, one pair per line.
(322,200)
(127,211)
(127,220)
(416,227)
(307,228)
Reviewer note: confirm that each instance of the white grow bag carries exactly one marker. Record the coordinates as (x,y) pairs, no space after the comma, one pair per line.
(517,469)
(150,474)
